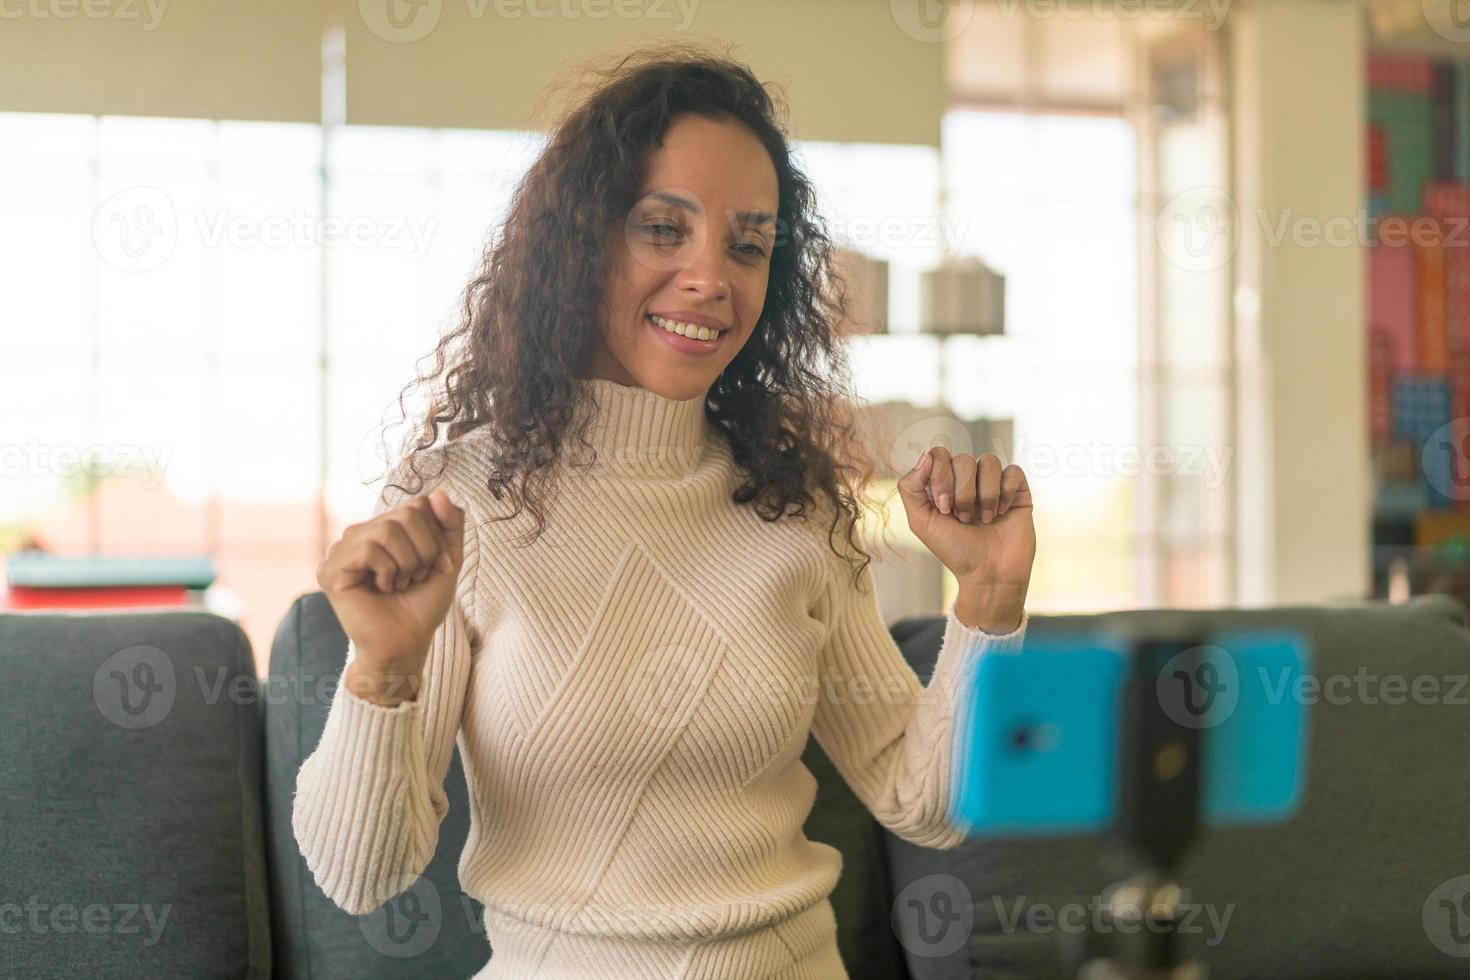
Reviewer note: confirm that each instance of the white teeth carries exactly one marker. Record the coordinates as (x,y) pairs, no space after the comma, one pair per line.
(685,329)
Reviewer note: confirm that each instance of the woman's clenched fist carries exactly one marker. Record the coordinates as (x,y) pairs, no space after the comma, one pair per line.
(390,580)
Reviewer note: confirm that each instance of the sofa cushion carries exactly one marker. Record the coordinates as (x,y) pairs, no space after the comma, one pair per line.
(130,816)
(1350,887)
(432,929)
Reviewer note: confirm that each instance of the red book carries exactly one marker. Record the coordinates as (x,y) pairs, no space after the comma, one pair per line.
(1434,355)
(1447,199)
(1457,296)
(28,597)
(1459,383)
(1380,386)
(1393,301)
(1404,72)
(1377,160)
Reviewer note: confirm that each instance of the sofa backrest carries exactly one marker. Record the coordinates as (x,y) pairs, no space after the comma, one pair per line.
(134,828)
(1371,878)
(145,813)
(130,811)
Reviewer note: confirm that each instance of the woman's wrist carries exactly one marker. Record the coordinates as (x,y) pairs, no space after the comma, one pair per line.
(992,610)
(386,690)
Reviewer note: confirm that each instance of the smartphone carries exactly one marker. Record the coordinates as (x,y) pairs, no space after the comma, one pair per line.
(1038,733)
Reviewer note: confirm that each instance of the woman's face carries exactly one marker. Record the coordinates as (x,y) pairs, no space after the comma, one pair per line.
(695,251)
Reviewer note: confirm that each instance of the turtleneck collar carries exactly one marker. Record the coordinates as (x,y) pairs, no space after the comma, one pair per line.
(637,431)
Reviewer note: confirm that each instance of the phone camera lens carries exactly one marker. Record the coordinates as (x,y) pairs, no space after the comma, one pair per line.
(1020,740)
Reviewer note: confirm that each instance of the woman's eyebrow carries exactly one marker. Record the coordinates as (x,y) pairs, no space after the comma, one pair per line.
(758,217)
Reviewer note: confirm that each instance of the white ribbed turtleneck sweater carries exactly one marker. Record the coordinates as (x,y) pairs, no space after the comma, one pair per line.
(631,695)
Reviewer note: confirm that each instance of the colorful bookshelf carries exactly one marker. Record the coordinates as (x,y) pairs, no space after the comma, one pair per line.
(1418,311)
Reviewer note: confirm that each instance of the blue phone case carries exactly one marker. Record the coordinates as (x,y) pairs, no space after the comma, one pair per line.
(1255,758)
(1038,741)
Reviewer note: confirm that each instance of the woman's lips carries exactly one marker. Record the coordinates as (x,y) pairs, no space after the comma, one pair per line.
(686,345)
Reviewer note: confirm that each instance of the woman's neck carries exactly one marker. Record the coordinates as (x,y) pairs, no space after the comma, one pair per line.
(636,431)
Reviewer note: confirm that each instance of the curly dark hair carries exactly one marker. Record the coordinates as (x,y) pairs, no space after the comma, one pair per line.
(784,403)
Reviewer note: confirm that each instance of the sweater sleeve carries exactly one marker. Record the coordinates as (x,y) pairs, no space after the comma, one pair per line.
(370,798)
(891,737)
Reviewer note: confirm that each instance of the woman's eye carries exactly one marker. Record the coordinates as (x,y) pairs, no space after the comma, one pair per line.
(668,233)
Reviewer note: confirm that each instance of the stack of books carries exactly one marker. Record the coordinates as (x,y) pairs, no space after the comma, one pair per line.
(39,580)
(962,295)
(865,287)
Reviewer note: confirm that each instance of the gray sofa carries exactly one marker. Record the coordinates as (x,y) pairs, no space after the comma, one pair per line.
(145,797)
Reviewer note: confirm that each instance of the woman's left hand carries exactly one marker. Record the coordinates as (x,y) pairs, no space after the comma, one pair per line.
(975,516)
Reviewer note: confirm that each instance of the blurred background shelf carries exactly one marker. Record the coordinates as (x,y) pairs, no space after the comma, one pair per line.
(36,581)
(1417,153)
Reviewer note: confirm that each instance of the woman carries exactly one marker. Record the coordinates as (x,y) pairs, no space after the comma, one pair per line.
(632,673)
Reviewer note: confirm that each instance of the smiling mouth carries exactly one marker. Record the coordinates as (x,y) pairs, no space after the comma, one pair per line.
(687,330)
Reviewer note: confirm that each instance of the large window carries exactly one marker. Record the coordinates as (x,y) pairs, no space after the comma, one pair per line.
(1091,153)
(175,377)
(1064,237)
(207,324)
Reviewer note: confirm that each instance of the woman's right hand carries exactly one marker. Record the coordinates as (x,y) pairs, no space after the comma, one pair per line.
(390,580)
